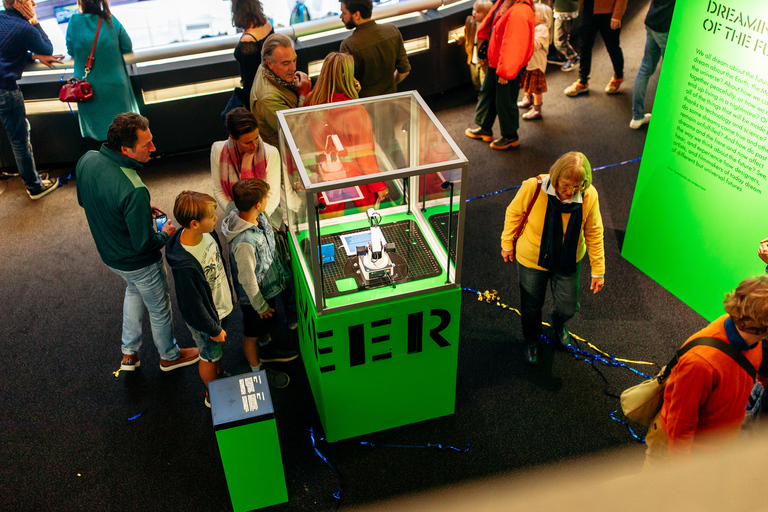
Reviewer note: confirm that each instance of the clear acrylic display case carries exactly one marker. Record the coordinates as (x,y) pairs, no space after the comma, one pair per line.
(384,163)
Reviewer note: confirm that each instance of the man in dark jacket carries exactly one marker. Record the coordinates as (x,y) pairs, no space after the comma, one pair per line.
(380,59)
(20,35)
(121,219)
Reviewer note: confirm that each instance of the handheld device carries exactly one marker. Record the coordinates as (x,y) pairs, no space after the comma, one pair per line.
(160,221)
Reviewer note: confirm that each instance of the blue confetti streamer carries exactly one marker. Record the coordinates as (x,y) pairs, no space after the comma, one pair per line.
(428,445)
(614,165)
(337,494)
(492,193)
(614,418)
(514,188)
(582,355)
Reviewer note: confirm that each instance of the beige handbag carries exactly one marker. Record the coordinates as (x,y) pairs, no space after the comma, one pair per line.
(641,403)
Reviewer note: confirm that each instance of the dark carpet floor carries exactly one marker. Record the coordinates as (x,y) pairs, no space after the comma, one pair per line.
(66,441)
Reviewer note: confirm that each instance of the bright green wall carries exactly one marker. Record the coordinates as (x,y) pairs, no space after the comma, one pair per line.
(698,212)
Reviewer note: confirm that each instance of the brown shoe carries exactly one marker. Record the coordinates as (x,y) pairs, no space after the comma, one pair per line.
(479,133)
(130,362)
(187,356)
(505,142)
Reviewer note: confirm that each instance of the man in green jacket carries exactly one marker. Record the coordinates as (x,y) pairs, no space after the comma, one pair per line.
(121,219)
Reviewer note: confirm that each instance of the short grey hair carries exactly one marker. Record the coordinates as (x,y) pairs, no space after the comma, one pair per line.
(8,4)
(273,42)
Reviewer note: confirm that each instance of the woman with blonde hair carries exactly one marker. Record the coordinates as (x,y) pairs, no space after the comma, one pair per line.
(352,124)
(555,220)
(336,81)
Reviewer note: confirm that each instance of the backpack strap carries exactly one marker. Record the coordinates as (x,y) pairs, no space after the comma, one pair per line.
(736,355)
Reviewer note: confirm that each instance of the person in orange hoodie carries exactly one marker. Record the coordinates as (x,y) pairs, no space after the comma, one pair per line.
(707,391)
(509,29)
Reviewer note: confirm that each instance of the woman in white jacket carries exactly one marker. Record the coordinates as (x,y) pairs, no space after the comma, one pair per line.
(244,155)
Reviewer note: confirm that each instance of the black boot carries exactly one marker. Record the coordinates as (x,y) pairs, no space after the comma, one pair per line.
(531,354)
(560,333)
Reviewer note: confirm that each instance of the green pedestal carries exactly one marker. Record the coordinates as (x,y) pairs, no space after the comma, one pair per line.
(246,432)
(380,366)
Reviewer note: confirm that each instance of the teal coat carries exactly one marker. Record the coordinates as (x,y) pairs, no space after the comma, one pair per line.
(112,91)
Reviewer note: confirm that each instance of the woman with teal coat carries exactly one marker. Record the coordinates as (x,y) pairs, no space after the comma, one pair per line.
(112,91)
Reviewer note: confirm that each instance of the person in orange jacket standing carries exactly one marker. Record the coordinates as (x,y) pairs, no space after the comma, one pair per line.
(509,29)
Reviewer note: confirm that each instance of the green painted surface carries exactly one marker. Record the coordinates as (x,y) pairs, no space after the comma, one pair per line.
(388,292)
(253,465)
(698,210)
(381,366)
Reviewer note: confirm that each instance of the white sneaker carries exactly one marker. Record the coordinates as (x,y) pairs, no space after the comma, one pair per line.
(637,123)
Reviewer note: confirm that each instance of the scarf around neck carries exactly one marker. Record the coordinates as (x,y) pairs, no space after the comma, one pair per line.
(557,253)
(234,166)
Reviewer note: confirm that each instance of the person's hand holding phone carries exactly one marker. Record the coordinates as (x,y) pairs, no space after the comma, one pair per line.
(168,228)
(160,221)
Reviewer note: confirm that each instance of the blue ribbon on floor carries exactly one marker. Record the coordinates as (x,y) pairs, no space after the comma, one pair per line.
(614,418)
(137,416)
(337,494)
(590,358)
(582,355)
(514,188)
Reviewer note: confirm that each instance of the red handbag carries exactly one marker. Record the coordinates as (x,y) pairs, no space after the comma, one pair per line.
(75,89)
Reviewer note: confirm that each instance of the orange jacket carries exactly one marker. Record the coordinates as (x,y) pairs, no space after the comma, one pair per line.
(706,393)
(510,45)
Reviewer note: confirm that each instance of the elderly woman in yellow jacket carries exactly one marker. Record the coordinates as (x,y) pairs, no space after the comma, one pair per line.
(556,218)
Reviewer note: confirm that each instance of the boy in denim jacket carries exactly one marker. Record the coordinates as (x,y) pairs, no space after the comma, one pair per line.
(257,275)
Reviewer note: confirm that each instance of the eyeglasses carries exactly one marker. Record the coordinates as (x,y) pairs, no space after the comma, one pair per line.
(567,186)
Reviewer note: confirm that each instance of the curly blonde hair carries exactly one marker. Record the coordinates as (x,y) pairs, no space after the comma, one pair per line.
(747,305)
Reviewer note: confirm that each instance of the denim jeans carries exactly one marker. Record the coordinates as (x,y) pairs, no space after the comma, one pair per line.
(14,118)
(655,43)
(533,290)
(148,286)
(498,99)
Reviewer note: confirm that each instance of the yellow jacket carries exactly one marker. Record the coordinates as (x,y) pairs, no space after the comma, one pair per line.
(528,245)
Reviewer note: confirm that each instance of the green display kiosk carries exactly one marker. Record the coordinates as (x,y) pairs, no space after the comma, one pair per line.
(244,421)
(375,226)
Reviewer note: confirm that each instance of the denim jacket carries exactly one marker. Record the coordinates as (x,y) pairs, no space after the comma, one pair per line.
(270,280)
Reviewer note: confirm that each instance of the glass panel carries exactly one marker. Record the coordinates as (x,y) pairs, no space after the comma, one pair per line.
(433,146)
(345,155)
(296,201)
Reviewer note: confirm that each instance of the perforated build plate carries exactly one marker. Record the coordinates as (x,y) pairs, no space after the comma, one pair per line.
(439,223)
(409,243)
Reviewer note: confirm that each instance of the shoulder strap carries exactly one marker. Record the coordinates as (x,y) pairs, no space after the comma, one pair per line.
(523,222)
(89,62)
(247,34)
(737,355)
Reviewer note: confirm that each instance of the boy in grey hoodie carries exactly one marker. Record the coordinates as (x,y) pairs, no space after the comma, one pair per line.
(257,275)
